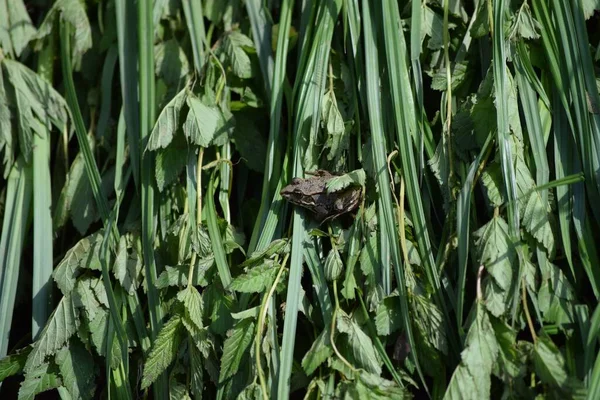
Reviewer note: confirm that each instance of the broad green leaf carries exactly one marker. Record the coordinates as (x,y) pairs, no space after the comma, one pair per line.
(556,296)
(40,379)
(589,6)
(549,363)
(218,308)
(251,392)
(170,163)
(234,44)
(163,351)
(127,267)
(84,296)
(72,12)
(459,75)
(319,352)
(99,335)
(353,178)
(360,344)
(172,65)
(14,363)
(370,386)
(257,279)
(526,27)
(202,122)
(16,28)
(168,122)
(498,256)
(388,318)
(196,371)
(234,348)
(278,246)
(429,321)
(76,367)
(536,222)
(178,275)
(84,255)
(471,379)
(60,327)
(192,302)
(491,178)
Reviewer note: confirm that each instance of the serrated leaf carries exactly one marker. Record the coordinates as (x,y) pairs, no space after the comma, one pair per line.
(239,60)
(491,178)
(536,222)
(388,318)
(360,344)
(429,320)
(555,296)
(40,379)
(164,351)
(196,372)
(549,363)
(16,28)
(14,363)
(170,163)
(354,178)
(168,122)
(234,348)
(192,302)
(257,279)
(61,325)
(471,379)
(178,275)
(333,122)
(76,367)
(277,246)
(498,256)
(84,255)
(72,12)
(372,387)
(526,27)
(319,352)
(202,122)
(127,267)
(84,296)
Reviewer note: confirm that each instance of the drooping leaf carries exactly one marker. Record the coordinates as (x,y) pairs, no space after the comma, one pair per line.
(76,367)
(360,344)
(72,12)
(355,178)
(234,44)
(388,318)
(168,122)
(84,255)
(39,379)
(319,352)
(257,279)
(337,140)
(549,363)
(16,28)
(60,327)
(170,163)
(234,348)
(14,363)
(192,302)
(536,222)
(202,122)
(163,351)
(429,321)
(127,267)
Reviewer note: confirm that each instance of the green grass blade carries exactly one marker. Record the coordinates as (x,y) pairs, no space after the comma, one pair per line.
(215,235)
(128,58)
(261,33)
(14,226)
(194,18)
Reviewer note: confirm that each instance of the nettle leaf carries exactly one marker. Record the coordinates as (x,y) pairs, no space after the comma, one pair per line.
(171,64)
(388,317)
(481,26)
(549,363)
(13,364)
(192,302)
(218,308)
(370,386)
(431,26)
(471,379)
(196,372)
(99,337)
(164,351)
(278,246)
(167,123)
(61,325)
(510,363)
(320,351)
(498,255)
(429,321)
(257,279)
(73,12)
(333,265)
(16,28)
(556,296)
(76,367)
(170,163)
(458,76)
(178,275)
(85,297)
(234,44)
(127,266)
(491,178)
(234,348)
(353,178)
(368,257)
(84,255)
(333,122)
(525,26)
(40,379)
(536,221)
(202,122)
(360,344)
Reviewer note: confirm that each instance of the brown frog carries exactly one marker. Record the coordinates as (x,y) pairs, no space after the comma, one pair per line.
(311,193)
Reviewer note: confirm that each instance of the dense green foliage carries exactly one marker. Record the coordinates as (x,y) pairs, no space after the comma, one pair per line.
(146,250)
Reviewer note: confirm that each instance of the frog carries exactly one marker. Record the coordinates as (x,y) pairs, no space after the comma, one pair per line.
(311,193)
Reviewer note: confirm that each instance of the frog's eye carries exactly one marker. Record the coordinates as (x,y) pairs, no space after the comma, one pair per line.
(296,181)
